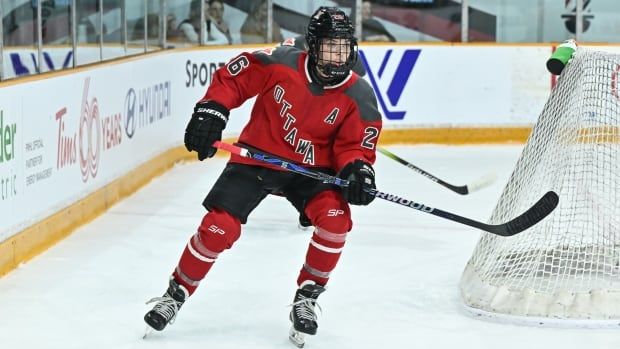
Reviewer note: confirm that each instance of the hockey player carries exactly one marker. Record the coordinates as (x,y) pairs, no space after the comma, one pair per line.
(358,68)
(311,109)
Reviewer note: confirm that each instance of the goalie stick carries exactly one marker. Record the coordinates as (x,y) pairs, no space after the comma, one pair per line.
(542,208)
(461,189)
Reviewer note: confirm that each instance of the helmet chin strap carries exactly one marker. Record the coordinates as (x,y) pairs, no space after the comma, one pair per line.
(321,80)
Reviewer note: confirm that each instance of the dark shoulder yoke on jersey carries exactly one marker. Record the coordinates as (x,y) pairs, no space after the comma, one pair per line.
(364,96)
(287,55)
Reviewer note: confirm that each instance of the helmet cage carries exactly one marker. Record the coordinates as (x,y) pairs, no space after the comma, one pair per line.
(326,24)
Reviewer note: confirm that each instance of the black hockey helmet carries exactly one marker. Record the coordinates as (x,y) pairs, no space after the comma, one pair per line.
(331,23)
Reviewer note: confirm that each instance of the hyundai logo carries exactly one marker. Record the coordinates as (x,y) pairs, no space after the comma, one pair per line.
(130,113)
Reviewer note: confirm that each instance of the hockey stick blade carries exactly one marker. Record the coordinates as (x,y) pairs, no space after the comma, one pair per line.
(476,185)
(481,183)
(459,189)
(541,209)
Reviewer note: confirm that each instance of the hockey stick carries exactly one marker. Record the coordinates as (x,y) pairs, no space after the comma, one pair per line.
(461,189)
(533,215)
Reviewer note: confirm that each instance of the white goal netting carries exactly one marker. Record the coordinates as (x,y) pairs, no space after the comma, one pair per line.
(567,267)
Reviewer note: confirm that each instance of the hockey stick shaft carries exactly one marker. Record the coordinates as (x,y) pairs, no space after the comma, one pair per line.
(461,189)
(540,210)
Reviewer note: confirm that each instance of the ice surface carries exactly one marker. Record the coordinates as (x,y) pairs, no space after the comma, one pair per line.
(395,287)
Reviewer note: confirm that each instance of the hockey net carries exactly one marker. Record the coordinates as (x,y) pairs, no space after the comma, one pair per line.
(564,270)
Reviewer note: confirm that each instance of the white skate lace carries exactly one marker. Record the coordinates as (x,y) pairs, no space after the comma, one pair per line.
(166,306)
(304,308)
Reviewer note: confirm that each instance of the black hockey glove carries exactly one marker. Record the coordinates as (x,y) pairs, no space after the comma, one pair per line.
(208,121)
(360,175)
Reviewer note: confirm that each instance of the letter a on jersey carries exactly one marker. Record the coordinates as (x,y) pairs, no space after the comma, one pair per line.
(331,118)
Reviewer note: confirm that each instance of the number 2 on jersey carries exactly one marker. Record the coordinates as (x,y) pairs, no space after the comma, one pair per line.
(370,136)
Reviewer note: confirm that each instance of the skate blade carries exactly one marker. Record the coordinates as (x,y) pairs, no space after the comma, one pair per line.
(296,337)
(147,331)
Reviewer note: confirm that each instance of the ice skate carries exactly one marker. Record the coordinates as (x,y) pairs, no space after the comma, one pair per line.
(166,308)
(303,315)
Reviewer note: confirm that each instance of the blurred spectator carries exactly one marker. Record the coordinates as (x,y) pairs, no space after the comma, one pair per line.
(172,32)
(190,27)
(47,9)
(254,29)
(216,12)
(372,29)
(152,20)
(138,28)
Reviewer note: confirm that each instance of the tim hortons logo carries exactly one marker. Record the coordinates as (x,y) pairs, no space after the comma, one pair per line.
(89,134)
(94,134)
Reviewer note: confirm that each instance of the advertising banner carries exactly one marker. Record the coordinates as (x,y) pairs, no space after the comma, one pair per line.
(11,159)
(65,137)
(458,85)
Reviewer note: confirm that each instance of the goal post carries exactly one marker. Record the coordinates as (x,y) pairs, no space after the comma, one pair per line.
(565,270)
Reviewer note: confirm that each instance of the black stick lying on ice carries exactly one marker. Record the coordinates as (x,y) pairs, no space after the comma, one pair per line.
(461,189)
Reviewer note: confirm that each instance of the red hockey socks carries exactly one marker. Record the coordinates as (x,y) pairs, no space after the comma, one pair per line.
(331,217)
(217,232)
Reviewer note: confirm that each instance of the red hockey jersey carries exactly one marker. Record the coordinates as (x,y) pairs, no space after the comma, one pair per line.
(296,119)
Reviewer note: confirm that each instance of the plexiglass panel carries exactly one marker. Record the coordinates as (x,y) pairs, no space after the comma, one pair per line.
(19,27)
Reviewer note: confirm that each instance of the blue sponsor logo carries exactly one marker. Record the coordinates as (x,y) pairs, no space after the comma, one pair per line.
(397,84)
(20,62)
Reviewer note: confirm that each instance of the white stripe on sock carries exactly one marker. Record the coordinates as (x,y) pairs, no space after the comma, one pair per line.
(198,255)
(325,248)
